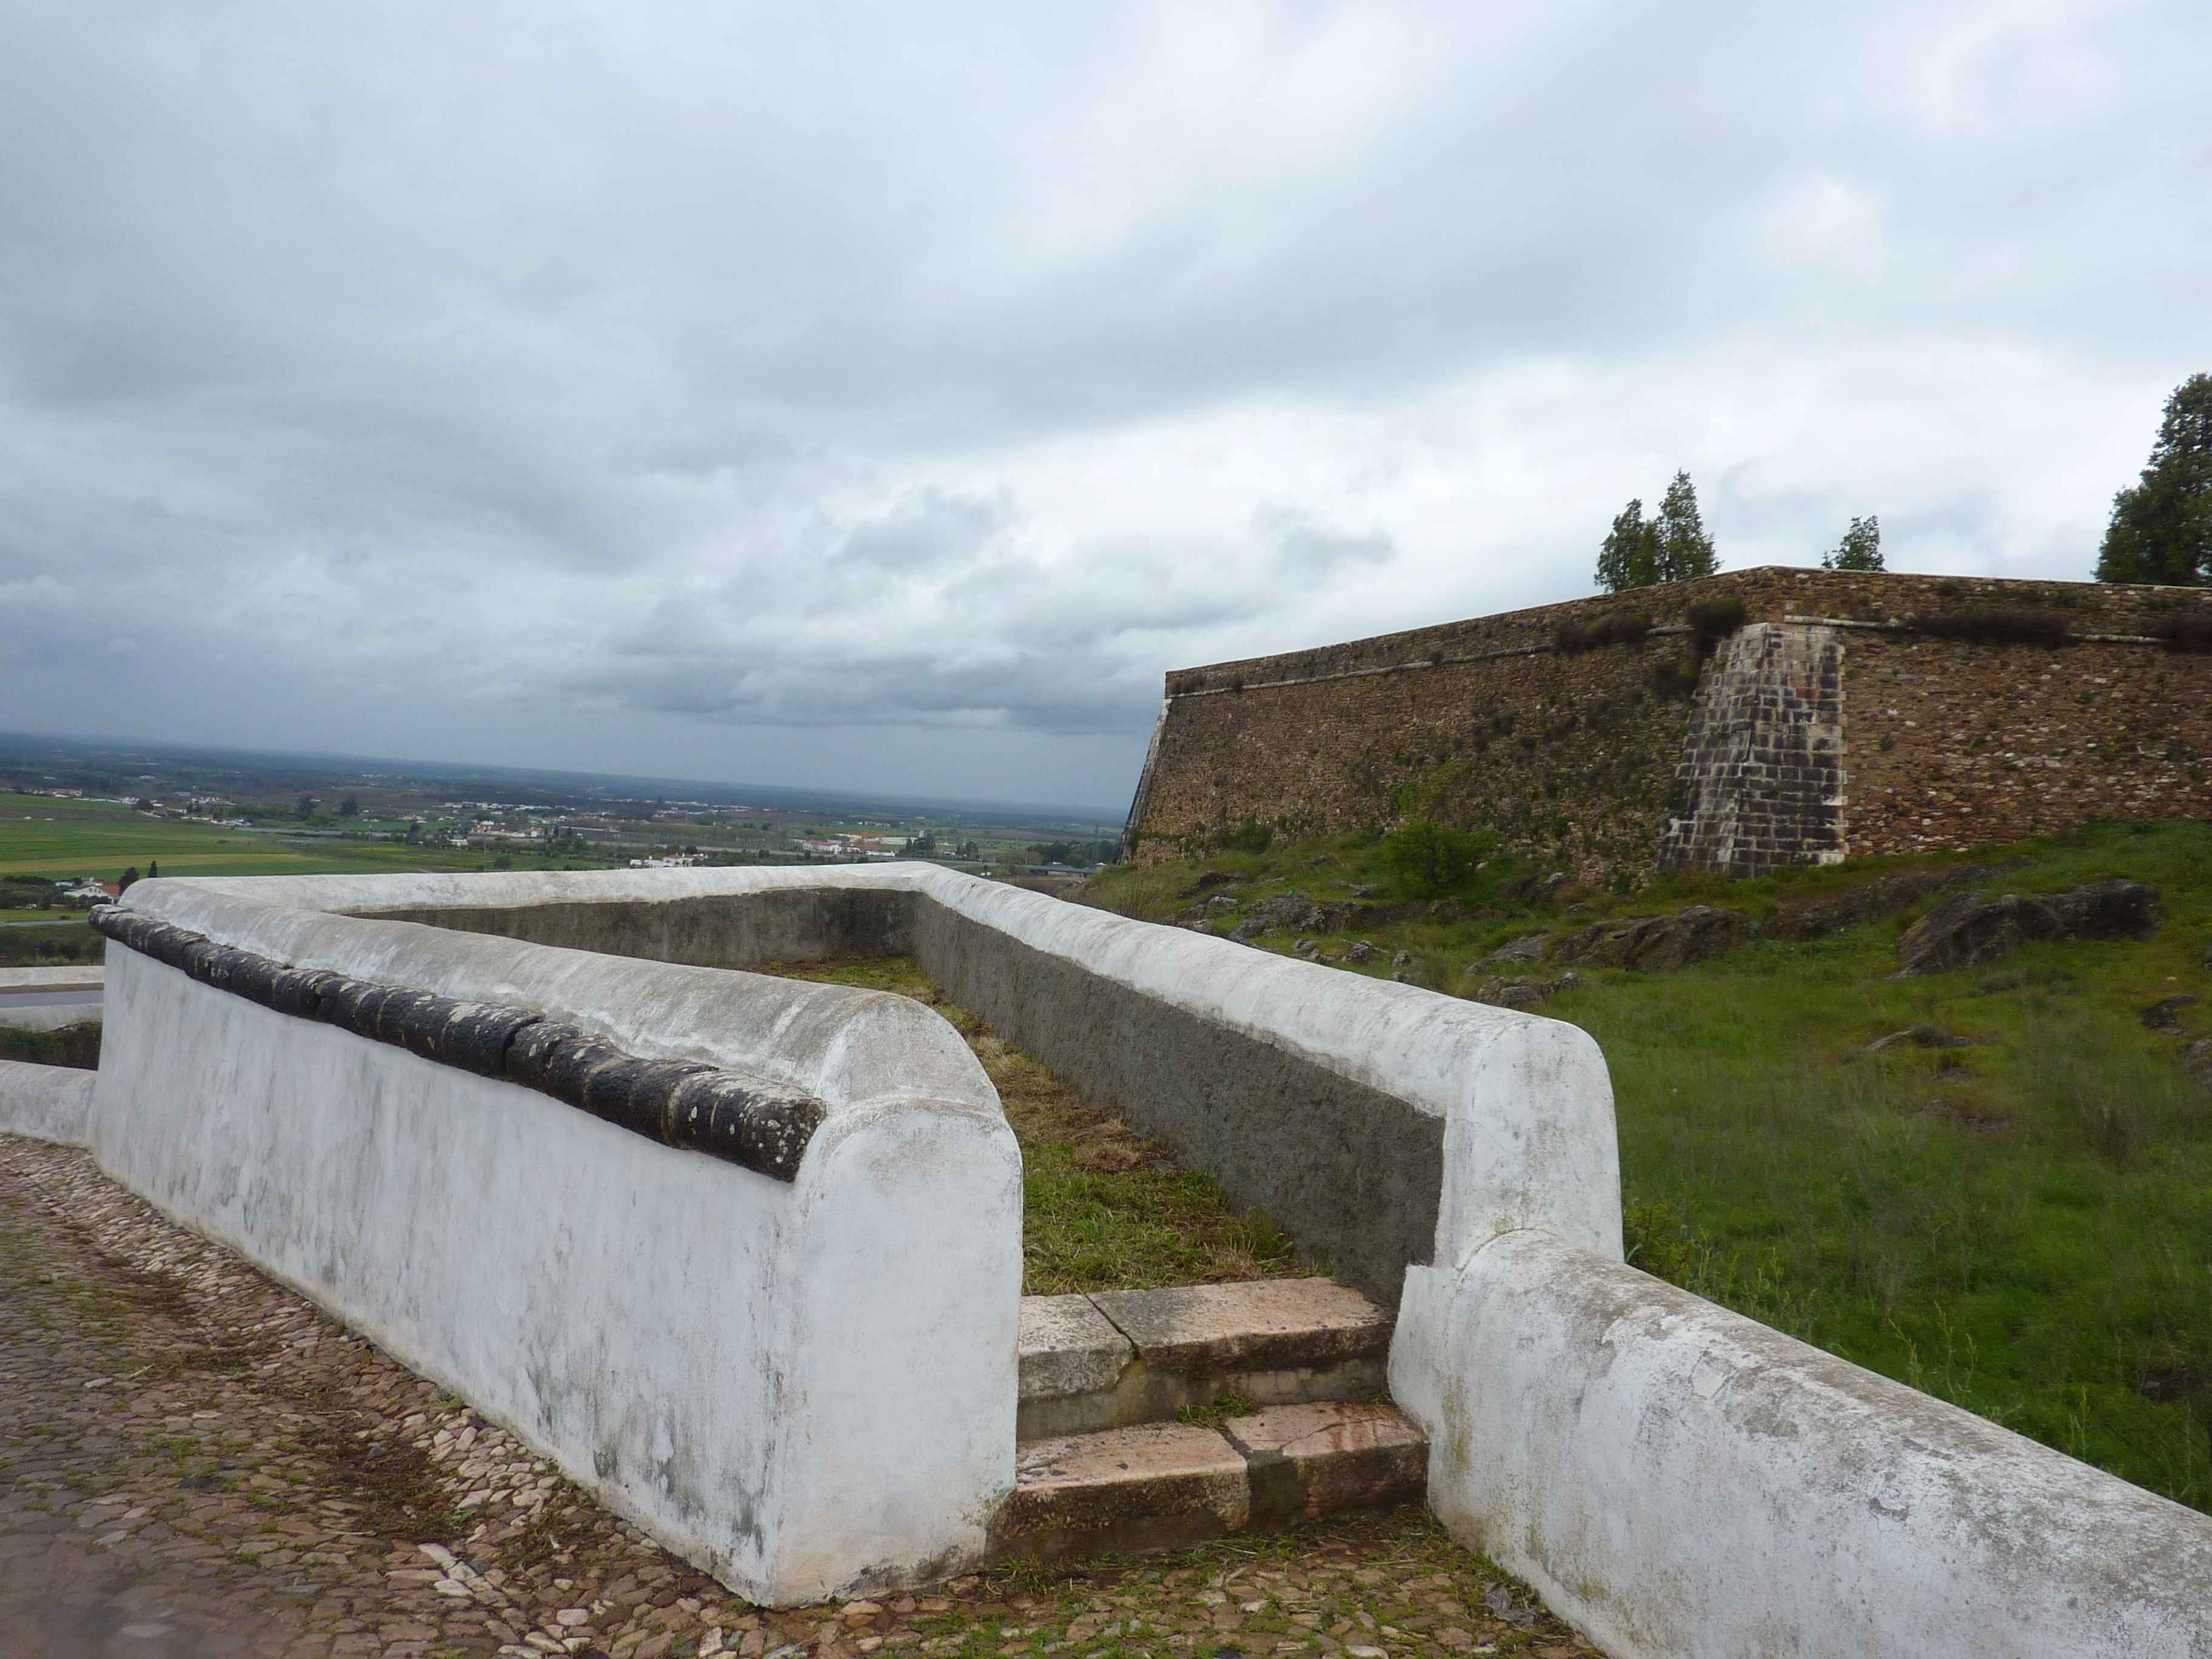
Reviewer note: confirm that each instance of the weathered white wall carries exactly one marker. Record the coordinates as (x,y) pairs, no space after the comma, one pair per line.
(47,1102)
(1683,1482)
(1234,1055)
(804,1388)
(1675,1479)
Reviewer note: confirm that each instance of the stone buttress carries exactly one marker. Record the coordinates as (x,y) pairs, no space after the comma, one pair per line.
(1761,777)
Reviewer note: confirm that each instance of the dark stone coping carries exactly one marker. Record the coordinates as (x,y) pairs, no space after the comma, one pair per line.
(682,1104)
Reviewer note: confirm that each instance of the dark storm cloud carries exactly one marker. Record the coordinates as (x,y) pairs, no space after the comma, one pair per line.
(628,385)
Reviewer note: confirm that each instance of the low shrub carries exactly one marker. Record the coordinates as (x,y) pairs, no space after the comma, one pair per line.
(70,1045)
(1658,1242)
(1627,628)
(2190,630)
(1997,626)
(1428,860)
(1714,619)
(1250,836)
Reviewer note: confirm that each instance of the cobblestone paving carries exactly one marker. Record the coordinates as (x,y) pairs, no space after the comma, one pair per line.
(194,1462)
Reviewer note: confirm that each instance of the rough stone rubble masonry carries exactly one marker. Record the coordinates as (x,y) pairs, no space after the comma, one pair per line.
(1852,714)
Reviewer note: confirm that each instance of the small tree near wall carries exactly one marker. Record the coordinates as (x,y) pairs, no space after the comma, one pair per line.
(1671,548)
(1685,551)
(2161,527)
(1630,555)
(1860,550)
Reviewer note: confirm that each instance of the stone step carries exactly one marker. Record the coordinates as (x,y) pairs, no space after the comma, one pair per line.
(1168,1485)
(1117,1358)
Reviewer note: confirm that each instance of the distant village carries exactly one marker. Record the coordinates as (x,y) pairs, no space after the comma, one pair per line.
(643,835)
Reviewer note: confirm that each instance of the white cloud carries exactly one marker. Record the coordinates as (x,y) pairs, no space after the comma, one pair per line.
(878,395)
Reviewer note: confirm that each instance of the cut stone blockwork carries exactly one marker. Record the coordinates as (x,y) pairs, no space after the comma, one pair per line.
(1167,1486)
(1115,1357)
(1761,778)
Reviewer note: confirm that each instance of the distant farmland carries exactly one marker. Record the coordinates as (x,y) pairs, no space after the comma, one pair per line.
(43,836)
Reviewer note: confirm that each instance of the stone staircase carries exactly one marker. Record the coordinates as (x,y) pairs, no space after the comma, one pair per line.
(1155,1419)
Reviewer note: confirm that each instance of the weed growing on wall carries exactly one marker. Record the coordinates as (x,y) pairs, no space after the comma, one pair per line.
(1712,620)
(1627,628)
(1998,625)
(2191,630)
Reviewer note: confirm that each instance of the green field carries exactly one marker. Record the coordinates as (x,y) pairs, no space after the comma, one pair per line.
(43,836)
(2023,1226)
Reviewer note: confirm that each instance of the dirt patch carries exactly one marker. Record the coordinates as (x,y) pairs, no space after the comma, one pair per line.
(398,1491)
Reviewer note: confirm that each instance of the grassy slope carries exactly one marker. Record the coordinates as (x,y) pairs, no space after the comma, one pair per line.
(2024,1227)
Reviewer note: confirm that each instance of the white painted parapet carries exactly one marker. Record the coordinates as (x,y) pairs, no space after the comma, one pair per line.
(1684,1483)
(1379,1123)
(47,1102)
(806,1386)
(1677,1479)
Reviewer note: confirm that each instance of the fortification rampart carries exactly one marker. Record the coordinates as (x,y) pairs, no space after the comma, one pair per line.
(1880,713)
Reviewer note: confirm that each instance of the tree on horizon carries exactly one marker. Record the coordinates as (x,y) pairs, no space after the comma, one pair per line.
(1861,548)
(1630,555)
(1685,551)
(1672,547)
(2161,525)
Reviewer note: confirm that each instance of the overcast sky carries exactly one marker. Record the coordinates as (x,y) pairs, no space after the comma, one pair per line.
(885,397)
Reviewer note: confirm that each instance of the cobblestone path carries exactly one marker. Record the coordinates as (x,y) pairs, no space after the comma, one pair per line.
(196,1464)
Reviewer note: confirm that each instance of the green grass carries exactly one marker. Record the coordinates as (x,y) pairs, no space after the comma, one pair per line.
(2023,1227)
(59,945)
(53,838)
(1103,1208)
(67,1045)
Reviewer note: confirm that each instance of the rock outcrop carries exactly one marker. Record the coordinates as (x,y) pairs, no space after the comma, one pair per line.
(1288,912)
(1653,945)
(1882,897)
(1973,929)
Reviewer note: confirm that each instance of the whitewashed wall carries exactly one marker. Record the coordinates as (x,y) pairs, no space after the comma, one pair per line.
(1677,1481)
(806,1388)
(47,1102)
(1684,1483)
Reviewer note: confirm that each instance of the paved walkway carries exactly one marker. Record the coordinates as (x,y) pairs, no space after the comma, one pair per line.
(194,1462)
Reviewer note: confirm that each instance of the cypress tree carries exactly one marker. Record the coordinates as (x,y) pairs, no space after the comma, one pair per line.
(2161,527)
(1685,551)
(1861,548)
(1630,555)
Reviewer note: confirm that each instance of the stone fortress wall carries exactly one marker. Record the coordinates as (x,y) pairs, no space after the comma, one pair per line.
(1838,721)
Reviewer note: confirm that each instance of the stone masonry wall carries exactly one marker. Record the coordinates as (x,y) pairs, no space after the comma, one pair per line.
(1577,755)
(1955,745)
(1762,774)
